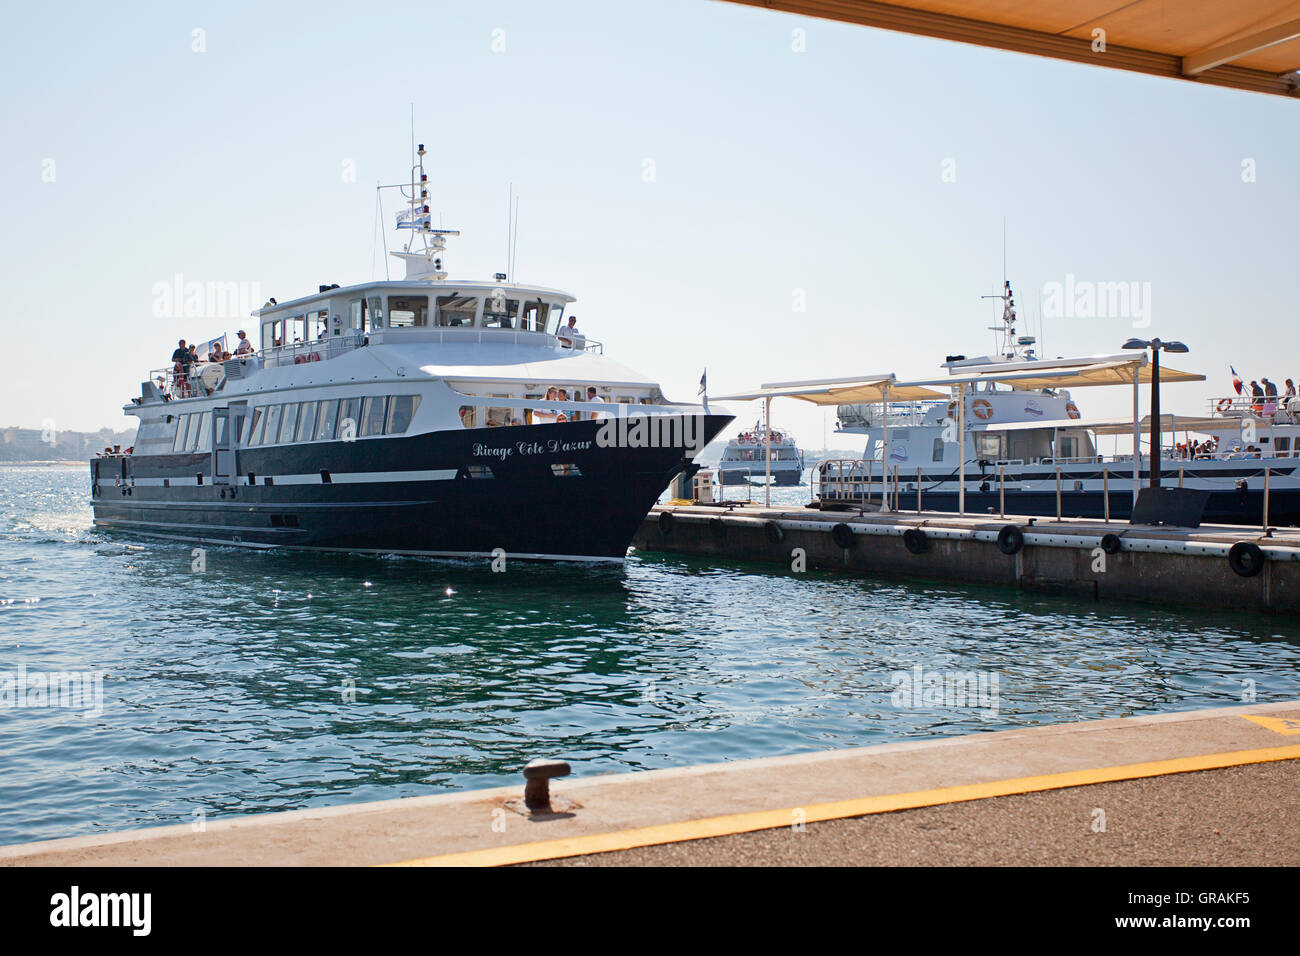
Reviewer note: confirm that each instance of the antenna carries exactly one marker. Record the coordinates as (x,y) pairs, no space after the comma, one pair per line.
(1004,252)
(514,256)
(510,207)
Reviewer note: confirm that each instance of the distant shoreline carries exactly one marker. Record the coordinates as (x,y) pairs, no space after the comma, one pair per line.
(40,464)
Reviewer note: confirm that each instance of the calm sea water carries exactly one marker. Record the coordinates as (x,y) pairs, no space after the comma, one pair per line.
(279,681)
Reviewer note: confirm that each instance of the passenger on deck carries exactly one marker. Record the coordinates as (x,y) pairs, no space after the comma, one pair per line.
(546,416)
(216,353)
(182,354)
(565,416)
(568,333)
(245,347)
(1257,396)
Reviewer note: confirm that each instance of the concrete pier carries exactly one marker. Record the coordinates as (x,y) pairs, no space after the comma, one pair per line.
(1097,559)
(1212,785)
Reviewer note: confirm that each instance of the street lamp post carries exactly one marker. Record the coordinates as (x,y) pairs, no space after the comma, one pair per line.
(1155,345)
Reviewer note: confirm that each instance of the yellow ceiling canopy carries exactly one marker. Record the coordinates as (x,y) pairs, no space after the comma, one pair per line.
(1246,44)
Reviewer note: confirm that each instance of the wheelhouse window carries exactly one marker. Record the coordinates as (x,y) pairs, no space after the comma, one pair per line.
(557,317)
(182,426)
(468,416)
(401,409)
(408,311)
(319,325)
(534,317)
(272,333)
(376,312)
(500,312)
(456,311)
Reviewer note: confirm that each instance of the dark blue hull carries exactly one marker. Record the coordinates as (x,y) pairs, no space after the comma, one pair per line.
(541,491)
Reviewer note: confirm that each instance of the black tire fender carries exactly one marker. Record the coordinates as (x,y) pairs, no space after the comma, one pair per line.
(1011,539)
(916,541)
(1246,558)
(666,522)
(842,535)
(775,533)
(1111,543)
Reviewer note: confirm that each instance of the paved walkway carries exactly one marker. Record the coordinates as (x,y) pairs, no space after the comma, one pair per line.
(1165,776)
(1242,816)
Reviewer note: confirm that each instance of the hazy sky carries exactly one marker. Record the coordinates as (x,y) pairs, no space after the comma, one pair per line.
(780,178)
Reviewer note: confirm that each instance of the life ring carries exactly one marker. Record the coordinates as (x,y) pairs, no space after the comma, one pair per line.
(299,359)
(982,409)
(1246,558)
(1224,405)
(315,356)
(1011,539)
(1072,410)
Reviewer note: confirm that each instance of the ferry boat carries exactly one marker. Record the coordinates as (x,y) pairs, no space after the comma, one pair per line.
(1028,449)
(422,416)
(745,458)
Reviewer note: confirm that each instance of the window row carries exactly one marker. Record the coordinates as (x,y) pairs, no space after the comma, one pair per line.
(324,420)
(329,419)
(457,310)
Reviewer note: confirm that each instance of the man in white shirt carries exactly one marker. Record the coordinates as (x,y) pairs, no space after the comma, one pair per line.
(593,397)
(245,347)
(568,333)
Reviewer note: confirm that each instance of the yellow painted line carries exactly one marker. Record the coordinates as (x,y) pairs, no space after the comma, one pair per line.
(1289,726)
(862,806)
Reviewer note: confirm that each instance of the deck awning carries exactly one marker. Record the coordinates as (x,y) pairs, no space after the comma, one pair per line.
(1111,426)
(822,392)
(1246,44)
(1074,375)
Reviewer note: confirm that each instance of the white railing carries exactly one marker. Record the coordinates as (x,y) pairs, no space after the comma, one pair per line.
(1274,408)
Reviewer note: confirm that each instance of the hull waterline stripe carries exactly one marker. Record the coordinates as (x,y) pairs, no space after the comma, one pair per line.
(863,806)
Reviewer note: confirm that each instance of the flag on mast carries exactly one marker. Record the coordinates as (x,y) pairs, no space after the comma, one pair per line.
(1236,379)
(704,383)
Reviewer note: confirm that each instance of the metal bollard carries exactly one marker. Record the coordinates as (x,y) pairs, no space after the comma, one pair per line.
(537,782)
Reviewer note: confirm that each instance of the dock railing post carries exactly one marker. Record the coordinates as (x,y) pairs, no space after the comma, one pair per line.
(1180,477)
(894,497)
(1058,493)
(1105,494)
(1266,476)
(1002,491)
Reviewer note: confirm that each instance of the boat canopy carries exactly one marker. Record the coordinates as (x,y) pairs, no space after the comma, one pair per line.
(1072,373)
(877,388)
(1109,426)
